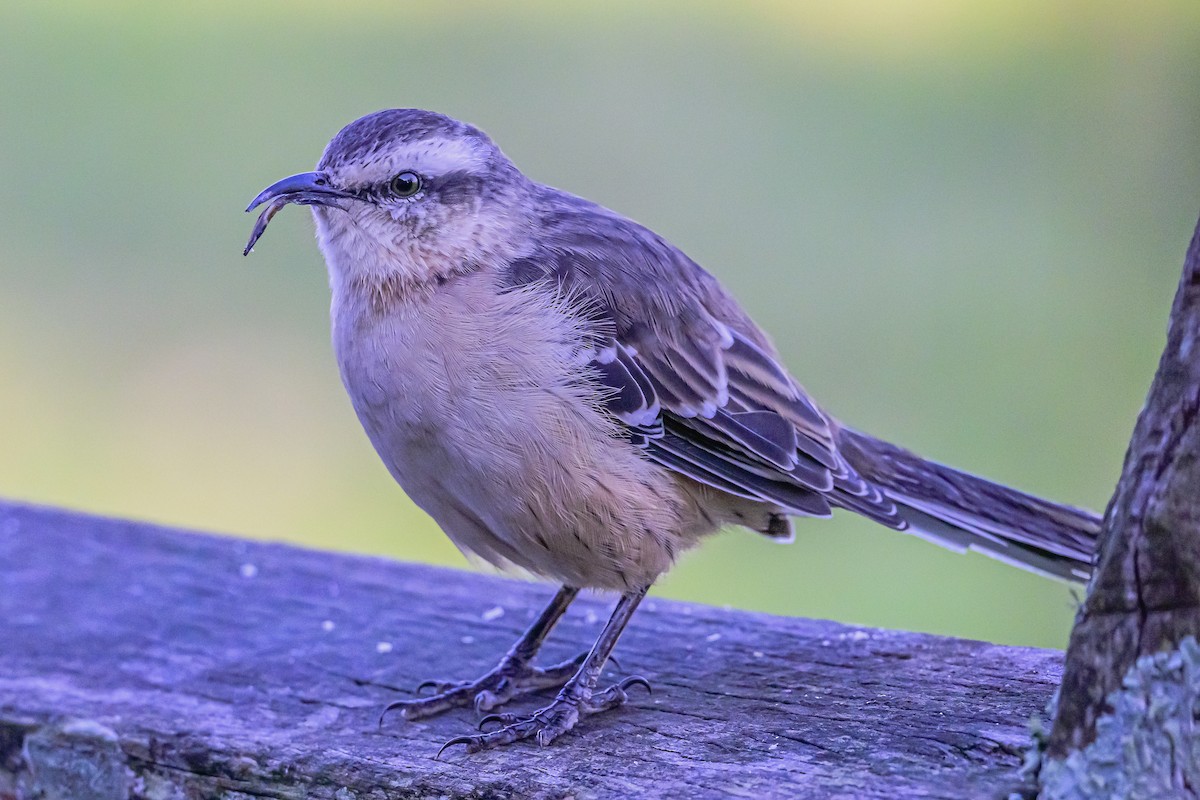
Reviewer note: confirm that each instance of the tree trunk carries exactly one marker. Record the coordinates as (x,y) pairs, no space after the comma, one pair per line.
(1124,722)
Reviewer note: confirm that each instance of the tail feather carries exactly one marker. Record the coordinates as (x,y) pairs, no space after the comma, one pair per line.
(962,511)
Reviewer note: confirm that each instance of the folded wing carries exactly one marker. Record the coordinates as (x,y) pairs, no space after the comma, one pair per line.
(698,387)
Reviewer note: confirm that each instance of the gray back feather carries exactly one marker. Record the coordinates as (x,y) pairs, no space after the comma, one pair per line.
(700,388)
(696,382)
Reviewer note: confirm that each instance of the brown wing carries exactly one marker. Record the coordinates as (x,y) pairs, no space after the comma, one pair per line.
(693,379)
(699,387)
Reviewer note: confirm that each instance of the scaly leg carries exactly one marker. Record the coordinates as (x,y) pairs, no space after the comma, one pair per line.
(514,674)
(577,698)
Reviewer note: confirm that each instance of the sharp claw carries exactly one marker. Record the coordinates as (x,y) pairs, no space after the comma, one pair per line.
(486,701)
(467,740)
(389,708)
(636,680)
(426,685)
(500,719)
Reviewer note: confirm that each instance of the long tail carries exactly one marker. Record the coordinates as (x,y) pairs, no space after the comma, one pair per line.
(961,511)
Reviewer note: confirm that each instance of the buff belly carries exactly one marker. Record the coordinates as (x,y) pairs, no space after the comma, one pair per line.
(485,417)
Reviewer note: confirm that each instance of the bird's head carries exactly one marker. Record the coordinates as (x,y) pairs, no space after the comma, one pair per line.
(407,194)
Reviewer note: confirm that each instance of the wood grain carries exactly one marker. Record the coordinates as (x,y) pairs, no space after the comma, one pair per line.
(143,662)
(1144,597)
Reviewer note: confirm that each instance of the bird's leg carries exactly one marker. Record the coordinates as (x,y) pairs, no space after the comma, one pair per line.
(512,676)
(577,698)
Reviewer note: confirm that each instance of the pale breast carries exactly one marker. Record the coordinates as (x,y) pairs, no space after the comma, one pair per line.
(478,402)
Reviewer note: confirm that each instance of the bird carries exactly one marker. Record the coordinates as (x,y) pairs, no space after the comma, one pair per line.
(568,394)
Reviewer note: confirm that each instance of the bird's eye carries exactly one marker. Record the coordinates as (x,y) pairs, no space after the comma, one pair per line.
(406,184)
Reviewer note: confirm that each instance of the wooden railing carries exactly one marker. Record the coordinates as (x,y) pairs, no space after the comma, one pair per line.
(138,661)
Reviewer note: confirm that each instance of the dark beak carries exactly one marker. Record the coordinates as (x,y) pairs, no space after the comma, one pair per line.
(306,189)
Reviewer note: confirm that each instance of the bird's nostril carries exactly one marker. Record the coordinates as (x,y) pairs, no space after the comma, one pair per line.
(320,181)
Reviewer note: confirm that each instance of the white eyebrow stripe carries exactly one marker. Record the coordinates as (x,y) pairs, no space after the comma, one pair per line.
(440,156)
(427,157)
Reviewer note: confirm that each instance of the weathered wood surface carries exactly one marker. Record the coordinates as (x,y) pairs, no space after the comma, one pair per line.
(1145,595)
(142,662)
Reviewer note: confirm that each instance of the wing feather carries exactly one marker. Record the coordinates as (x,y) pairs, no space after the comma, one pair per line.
(700,462)
(693,379)
(699,388)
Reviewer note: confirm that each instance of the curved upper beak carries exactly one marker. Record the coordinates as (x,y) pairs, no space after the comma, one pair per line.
(306,189)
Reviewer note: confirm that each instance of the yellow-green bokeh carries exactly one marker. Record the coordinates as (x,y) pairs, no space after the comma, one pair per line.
(962,221)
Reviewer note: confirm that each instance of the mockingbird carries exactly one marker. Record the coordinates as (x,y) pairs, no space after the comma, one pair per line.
(565,392)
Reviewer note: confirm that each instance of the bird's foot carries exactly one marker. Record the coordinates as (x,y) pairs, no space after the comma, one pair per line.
(510,678)
(547,724)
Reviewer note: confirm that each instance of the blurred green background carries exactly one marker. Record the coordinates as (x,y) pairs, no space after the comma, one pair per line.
(962,221)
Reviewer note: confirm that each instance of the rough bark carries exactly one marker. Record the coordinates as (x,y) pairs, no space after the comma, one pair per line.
(145,663)
(1144,597)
